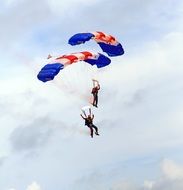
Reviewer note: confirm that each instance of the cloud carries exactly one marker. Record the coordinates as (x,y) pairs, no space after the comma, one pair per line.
(148,184)
(24,16)
(2,159)
(170,179)
(62,7)
(32,135)
(33,186)
(172,170)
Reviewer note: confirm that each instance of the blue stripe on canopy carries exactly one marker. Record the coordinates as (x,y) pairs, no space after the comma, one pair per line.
(49,71)
(112,50)
(100,62)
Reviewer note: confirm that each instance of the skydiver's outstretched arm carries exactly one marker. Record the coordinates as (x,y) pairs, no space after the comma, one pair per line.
(92,116)
(82,116)
(84,113)
(95,81)
(98,86)
(90,111)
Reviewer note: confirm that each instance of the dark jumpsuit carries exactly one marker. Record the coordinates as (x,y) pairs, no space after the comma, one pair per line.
(89,123)
(95,95)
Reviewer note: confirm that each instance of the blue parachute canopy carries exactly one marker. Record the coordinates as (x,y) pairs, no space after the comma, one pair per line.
(80,38)
(49,71)
(100,62)
(112,50)
(107,42)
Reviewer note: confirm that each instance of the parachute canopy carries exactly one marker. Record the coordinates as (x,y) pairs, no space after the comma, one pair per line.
(50,70)
(107,42)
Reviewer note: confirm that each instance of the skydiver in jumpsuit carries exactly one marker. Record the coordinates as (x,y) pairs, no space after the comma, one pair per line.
(95,89)
(89,123)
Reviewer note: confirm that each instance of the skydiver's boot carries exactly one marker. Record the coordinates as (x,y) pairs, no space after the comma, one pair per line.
(95,105)
(96,130)
(97,133)
(94,102)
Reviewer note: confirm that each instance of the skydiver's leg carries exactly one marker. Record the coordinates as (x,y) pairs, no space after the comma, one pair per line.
(91,131)
(96,100)
(96,129)
(93,99)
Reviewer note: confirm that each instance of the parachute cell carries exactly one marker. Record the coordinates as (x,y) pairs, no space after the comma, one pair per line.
(107,42)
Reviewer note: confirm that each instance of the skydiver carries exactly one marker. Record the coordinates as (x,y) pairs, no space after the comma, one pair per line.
(89,123)
(95,89)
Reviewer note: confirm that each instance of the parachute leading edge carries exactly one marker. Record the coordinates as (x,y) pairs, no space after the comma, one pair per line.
(107,42)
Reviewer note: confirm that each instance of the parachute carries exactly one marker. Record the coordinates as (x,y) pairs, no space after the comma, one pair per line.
(50,70)
(107,42)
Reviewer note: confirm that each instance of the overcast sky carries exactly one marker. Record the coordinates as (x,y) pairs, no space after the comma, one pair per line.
(44,144)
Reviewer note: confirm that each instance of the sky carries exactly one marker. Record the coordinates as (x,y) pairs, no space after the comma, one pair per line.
(44,144)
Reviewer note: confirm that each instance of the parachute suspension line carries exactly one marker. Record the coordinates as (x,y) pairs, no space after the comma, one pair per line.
(75,80)
(81,79)
(69,83)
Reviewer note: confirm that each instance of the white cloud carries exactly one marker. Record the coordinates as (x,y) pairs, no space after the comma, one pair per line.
(171,180)
(148,184)
(62,7)
(34,186)
(172,170)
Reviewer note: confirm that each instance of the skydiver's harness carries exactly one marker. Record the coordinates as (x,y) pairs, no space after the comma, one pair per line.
(94,90)
(88,122)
